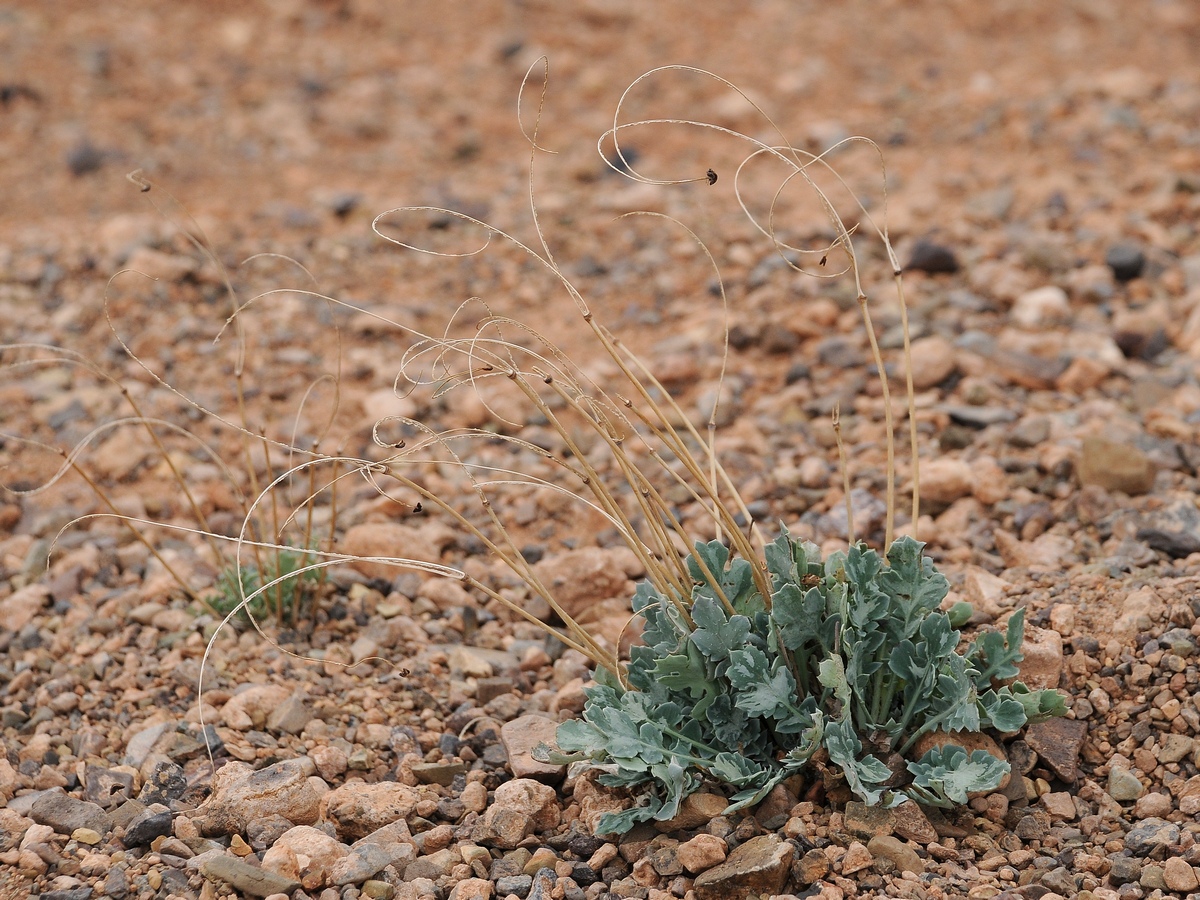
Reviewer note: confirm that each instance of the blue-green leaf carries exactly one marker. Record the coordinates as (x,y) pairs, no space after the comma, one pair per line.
(950,774)
(716,633)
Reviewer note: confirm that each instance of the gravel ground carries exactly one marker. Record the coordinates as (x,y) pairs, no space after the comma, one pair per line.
(1044,188)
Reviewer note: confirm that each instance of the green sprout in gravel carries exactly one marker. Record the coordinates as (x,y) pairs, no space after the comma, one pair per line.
(288,581)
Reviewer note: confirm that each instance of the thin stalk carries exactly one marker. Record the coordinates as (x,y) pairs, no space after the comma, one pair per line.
(912,402)
(841,448)
(887,416)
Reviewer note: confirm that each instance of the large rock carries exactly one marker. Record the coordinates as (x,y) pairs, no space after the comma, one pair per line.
(934,360)
(306,854)
(357,809)
(945,480)
(520,736)
(521,807)
(241,795)
(580,578)
(905,857)
(64,814)
(250,708)
(391,540)
(1115,467)
(759,866)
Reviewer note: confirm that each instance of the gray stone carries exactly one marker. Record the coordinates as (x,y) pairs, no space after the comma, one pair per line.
(367,860)
(79,893)
(1123,785)
(1150,835)
(1125,870)
(927,256)
(246,878)
(143,742)
(64,814)
(290,716)
(116,884)
(433,866)
(105,787)
(1153,878)
(1174,529)
(1125,260)
(166,783)
(1060,881)
(759,866)
(152,822)
(514,884)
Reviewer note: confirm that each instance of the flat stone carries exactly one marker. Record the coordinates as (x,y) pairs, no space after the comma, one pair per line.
(439,773)
(246,878)
(64,814)
(979,416)
(1059,804)
(520,736)
(1057,743)
(1175,747)
(759,866)
(87,836)
(857,858)
(910,822)
(366,860)
(106,787)
(866,822)
(904,856)
(140,745)
(291,716)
